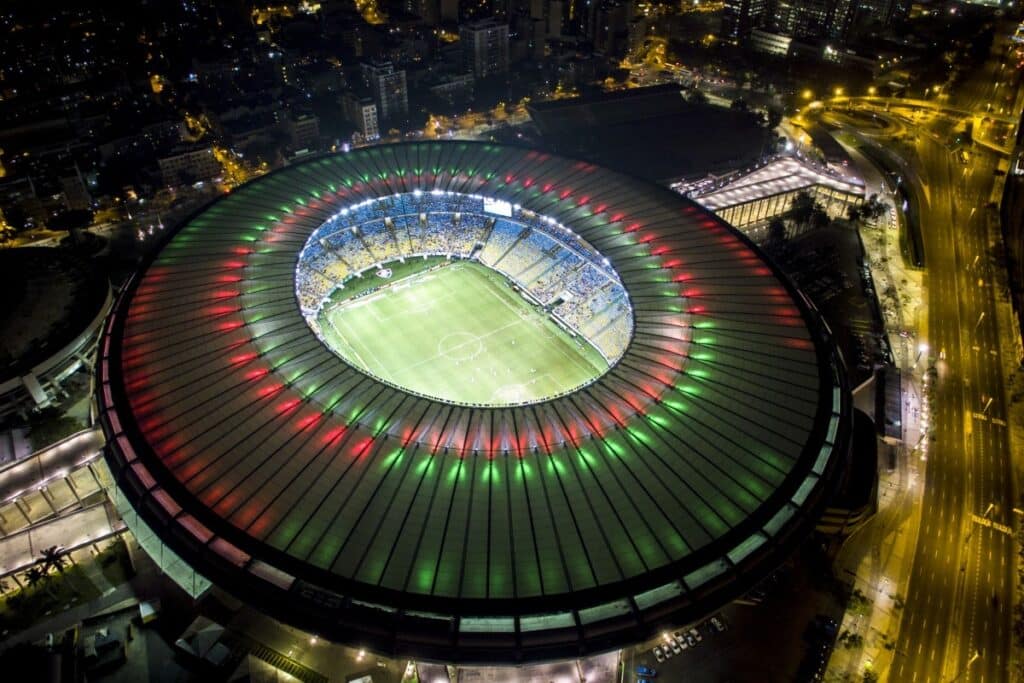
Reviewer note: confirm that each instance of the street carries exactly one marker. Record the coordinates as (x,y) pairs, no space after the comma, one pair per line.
(957,614)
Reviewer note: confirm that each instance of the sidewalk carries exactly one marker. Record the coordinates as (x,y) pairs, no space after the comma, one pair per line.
(143,586)
(122,594)
(878,559)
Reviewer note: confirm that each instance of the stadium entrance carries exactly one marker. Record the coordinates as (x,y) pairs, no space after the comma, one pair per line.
(463,298)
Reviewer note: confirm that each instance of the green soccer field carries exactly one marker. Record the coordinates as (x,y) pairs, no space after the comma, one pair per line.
(459,333)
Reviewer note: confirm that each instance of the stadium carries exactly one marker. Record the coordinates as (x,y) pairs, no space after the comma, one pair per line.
(468,403)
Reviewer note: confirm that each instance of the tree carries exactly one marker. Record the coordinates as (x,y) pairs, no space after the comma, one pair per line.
(773,118)
(777,238)
(819,218)
(35,576)
(873,208)
(739,104)
(48,429)
(54,558)
(697,96)
(802,207)
(853,213)
(73,222)
(17,218)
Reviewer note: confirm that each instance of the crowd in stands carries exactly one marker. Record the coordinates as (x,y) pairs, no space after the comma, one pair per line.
(555,266)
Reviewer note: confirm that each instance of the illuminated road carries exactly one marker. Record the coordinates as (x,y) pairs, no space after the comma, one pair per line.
(956,621)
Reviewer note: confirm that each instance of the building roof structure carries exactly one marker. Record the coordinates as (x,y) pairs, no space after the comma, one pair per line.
(779,176)
(412,526)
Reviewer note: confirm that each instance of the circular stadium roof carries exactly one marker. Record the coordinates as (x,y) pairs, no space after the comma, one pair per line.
(387,519)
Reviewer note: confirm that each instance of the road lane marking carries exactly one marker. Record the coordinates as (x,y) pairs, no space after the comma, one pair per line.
(986,522)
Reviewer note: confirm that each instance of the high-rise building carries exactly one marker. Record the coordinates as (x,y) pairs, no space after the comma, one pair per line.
(740,17)
(812,19)
(882,12)
(188,164)
(427,10)
(840,19)
(389,89)
(361,111)
(450,11)
(608,26)
(484,47)
(555,18)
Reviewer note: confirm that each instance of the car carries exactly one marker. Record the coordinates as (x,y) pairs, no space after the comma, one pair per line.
(675,647)
(719,623)
(680,640)
(646,672)
(690,640)
(696,634)
(658,654)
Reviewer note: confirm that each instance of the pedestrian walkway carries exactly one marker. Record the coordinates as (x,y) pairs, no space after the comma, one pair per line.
(877,560)
(124,595)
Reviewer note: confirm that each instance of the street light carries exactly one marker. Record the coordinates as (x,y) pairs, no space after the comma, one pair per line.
(807,94)
(839,92)
(872,90)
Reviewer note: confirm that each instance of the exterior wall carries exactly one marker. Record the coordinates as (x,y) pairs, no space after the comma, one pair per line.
(485,47)
(362,113)
(766,208)
(42,384)
(170,563)
(200,164)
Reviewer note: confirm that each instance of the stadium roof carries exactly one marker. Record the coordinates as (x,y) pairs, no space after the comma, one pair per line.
(778,177)
(408,525)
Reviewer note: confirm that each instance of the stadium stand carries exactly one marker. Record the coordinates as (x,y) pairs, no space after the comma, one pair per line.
(558,269)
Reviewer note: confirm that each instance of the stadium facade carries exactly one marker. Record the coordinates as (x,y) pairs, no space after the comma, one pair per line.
(249,455)
(43,345)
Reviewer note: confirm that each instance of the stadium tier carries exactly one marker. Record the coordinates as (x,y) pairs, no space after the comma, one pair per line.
(535,253)
(466,402)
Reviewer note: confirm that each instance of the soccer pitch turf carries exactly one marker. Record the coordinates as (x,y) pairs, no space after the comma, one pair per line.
(460,333)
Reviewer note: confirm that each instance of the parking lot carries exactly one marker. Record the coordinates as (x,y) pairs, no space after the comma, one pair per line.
(764,637)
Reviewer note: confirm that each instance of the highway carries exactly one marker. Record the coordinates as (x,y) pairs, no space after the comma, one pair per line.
(956,621)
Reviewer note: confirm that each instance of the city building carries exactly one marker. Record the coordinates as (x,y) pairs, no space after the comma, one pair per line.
(770,43)
(812,19)
(740,17)
(449,11)
(304,130)
(753,198)
(189,164)
(485,47)
(608,26)
(361,111)
(74,188)
(388,86)
(882,12)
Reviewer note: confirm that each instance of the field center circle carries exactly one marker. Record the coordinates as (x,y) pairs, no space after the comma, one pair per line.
(460,346)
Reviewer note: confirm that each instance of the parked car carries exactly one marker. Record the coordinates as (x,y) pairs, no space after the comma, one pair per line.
(718,623)
(658,654)
(646,671)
